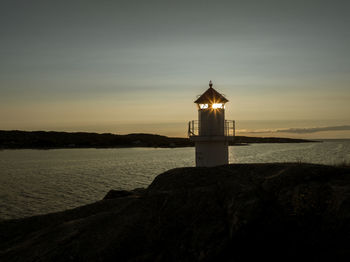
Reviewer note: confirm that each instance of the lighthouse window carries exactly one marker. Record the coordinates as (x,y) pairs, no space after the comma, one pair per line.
(217,106)
(203,106)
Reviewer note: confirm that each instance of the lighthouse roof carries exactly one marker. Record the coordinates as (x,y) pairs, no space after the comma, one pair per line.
(211,96)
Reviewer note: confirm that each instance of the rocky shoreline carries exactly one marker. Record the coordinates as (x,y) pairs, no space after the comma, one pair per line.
(238,212)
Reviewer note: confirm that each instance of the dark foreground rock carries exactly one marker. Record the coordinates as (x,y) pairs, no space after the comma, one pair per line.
(279,212)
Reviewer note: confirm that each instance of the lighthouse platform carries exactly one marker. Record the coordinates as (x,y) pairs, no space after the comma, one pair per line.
(211,133)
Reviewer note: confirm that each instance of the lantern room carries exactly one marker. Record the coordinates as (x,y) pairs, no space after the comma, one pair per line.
(211,99)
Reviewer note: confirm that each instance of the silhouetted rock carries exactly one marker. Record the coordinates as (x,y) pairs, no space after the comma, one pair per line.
(237,212)
(123,193)
(117,193)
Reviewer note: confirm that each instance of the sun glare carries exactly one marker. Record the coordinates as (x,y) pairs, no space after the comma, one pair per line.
(215,106)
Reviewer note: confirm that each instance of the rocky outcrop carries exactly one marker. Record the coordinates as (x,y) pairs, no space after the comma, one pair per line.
(112,194)
(237,212)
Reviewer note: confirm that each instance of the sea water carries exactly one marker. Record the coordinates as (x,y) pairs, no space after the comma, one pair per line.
(40,181)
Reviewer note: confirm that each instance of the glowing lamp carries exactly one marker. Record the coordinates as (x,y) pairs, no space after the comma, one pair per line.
(216,106)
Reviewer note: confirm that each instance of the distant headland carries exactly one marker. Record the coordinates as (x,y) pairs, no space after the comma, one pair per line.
(51,139)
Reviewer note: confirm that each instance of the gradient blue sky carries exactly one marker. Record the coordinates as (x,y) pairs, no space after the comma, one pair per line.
(137,66)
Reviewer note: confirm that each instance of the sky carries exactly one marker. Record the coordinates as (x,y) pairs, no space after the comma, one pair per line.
(137,66)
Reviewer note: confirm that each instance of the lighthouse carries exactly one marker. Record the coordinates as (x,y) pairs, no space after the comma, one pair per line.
(211,133)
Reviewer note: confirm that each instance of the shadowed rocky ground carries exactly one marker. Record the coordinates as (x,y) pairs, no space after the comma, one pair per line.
(236,212)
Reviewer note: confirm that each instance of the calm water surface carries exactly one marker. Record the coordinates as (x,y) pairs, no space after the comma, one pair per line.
(41,181)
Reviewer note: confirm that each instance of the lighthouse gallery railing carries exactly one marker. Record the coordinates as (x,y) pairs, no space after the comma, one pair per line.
(229,128)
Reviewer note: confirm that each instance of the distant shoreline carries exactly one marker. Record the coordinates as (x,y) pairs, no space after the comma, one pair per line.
(69,140)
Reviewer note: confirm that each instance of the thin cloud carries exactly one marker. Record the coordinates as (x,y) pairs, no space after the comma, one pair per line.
(307,130)
(314,129)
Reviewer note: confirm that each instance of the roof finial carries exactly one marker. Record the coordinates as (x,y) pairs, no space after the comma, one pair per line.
(210,83)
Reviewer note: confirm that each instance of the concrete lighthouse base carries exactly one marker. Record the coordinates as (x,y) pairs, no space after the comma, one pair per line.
(211,153)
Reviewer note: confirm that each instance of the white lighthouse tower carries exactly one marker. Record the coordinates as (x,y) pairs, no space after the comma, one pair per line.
(211,133)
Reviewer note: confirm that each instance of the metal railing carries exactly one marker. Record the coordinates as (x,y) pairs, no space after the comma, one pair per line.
(229,128)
